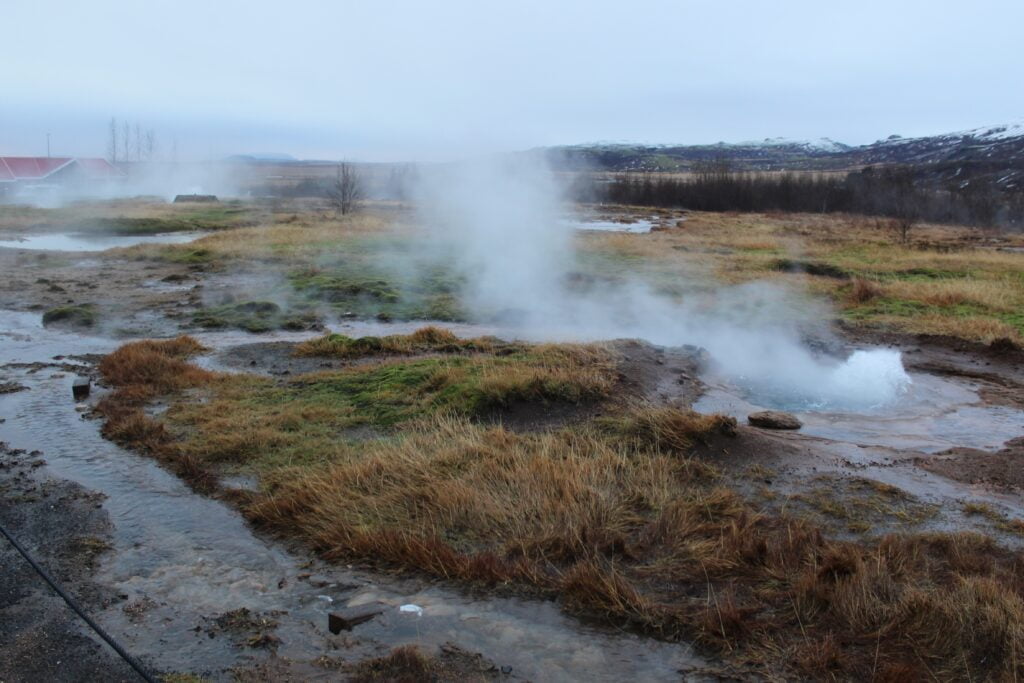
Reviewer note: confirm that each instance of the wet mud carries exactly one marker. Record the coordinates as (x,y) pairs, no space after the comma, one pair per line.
(65,528)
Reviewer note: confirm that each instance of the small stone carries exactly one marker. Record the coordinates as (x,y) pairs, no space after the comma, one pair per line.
(80,388)
(774,419)
(347,619)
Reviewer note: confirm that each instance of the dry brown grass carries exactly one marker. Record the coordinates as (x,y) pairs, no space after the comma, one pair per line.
(410,664)
(951,280)
(301,241)
(617,520)
(139,372)
(669,429)
(157,366)
(642,536)
(406,664)
(864,290)
(975,328)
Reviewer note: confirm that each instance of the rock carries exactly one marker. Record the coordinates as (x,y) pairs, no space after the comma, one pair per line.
(347,619)
(80,388)
(774,419)
(11,387)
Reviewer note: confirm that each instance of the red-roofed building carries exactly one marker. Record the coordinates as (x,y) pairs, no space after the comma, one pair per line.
(16,172)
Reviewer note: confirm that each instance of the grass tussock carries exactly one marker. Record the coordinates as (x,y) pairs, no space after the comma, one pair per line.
(864,290)
(410,664)
(669,429)
(425,340)
(407,664)
(139,372)
(72,316)
(157,366)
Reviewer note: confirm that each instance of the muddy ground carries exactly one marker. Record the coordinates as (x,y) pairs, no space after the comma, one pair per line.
(65,528)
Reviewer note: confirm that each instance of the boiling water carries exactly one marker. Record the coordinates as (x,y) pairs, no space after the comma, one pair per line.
(871,400)
(866,382)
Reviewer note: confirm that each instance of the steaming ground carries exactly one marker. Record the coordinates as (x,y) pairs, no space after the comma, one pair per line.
(500,222)
(888,466)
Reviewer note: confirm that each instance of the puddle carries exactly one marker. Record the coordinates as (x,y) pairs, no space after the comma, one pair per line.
(195,558)
(96,241)
(931,415)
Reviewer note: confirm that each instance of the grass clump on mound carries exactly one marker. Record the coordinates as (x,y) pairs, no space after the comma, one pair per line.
(71,316)
(424,340)
(139,372)
(255,316)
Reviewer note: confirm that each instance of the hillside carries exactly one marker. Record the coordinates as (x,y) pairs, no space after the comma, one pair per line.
(995,152)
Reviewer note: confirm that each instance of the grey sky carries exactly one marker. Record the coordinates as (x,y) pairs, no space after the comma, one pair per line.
(396,79)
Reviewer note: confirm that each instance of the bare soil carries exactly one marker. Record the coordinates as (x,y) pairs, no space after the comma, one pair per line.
(65,528)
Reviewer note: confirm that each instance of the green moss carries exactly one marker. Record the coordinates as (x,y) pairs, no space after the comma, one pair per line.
(353,287)
(73,316)
(811,268)
(142,226)
(337,288)
(425,340)
(255,316)
(921,274)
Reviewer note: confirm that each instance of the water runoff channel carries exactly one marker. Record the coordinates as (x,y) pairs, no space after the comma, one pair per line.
(195,558)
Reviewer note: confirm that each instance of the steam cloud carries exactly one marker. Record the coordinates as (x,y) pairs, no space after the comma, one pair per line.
(501,219)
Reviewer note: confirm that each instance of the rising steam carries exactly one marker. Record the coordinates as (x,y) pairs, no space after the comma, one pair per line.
(501,220)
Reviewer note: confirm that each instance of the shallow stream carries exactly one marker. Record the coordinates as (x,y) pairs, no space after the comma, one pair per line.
(196,558)
(88,241)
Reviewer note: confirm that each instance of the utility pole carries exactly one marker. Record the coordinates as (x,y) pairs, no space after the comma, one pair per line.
(47,145)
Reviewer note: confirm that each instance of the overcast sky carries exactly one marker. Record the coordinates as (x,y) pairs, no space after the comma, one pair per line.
(432,79)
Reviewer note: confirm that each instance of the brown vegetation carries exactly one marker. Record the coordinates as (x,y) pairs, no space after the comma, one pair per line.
(409,664)
(139,372)
(645,537)
(614,517)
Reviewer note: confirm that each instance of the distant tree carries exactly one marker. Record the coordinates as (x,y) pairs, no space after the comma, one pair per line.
(138,142)
(126,140)
(907,202)
(149,144)
(346,190)
(112,141)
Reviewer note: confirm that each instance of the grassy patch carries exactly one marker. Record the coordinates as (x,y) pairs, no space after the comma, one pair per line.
(255,316)
(357,289)
(425,340)
(153,225)
(264,424)
(83,315)
(1001,521)
(614,517)
(862,506)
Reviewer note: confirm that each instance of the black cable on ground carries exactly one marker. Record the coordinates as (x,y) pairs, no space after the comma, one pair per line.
(132,662)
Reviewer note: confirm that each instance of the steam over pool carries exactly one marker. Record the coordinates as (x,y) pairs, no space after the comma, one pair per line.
(500,220)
